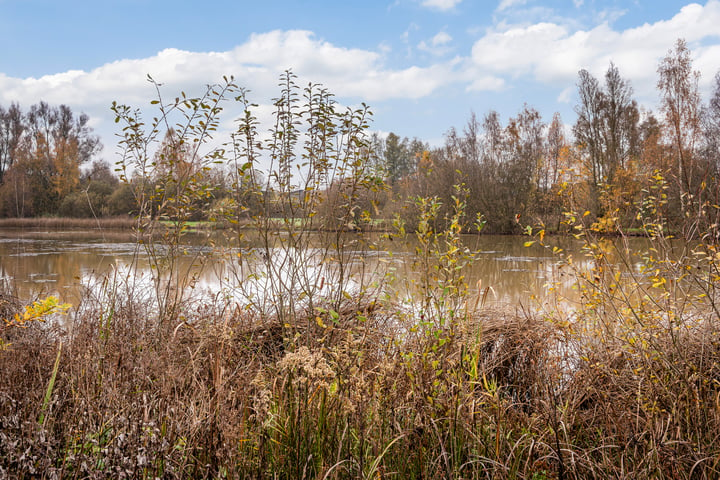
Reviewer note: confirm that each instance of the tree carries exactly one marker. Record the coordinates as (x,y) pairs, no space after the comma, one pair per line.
(92,198)
(40,156)
(11,131)
(518,174)
(526,145)
(62,142)
(680,103)
(471,148)
(397,160)
(588,127)
(556,144)
(620,122)
(711,128)
(606,131)
(494,137)
(401,156)
(607,124)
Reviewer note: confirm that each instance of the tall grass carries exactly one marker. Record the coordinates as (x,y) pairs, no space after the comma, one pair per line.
(59,223)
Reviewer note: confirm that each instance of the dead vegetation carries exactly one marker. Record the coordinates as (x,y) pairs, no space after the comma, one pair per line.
(222,394)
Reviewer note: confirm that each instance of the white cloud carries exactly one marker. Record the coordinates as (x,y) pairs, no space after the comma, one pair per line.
(256,64)
(566,95)
(438,45)
(486,83)
(406,34)
(505,4)
(441,4)
(442,38)
(551,53)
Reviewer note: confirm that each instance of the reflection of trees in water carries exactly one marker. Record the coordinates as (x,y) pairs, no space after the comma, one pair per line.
(59,265)
(40,273)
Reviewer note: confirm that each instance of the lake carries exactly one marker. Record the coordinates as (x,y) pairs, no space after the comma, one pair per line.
(60,262)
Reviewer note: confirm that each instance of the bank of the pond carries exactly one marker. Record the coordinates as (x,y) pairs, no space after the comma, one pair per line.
(67,223)
(197,226)
(128,222)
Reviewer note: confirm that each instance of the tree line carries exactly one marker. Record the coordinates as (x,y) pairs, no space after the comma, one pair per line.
(41,154)
(616,157)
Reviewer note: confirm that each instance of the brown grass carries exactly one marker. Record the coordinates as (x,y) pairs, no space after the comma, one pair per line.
(60,223)
(220,393)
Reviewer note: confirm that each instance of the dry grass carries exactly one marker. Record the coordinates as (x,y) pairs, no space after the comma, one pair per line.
(59,223)
(224,394)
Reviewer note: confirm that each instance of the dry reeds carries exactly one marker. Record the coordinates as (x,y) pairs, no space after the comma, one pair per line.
(222,393)
(60,223)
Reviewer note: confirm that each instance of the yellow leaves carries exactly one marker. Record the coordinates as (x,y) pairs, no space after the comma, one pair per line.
(39,311)
(659,282)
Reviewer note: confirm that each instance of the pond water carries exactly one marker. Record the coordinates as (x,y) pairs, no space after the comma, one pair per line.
(61,262)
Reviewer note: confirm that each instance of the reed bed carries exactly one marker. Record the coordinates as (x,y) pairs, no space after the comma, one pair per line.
(60,223)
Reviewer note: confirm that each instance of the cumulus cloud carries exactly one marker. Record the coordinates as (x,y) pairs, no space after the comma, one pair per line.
(256,65)
(552,53)
(486,83)
(441,4)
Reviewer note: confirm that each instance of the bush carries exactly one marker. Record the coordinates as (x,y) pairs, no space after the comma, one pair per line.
(122,201)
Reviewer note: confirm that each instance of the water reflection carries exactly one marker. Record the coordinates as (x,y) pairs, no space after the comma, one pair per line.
(42,263)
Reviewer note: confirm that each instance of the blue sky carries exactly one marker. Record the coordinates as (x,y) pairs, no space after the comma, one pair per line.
(422,65)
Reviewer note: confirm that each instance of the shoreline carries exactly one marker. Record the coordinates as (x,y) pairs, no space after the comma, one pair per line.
(129,223)
(57,223)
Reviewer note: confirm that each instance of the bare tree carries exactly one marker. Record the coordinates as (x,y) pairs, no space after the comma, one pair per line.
(621,118)
(494,137)
(11,131)
(680,101)
(472,146)
(607,124)
(711,128)
(556,143)
(526,142)
(588,127)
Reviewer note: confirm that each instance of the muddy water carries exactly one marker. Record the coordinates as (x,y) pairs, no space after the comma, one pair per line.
(61,263)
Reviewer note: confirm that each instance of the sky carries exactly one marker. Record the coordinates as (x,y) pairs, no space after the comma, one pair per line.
(421,65)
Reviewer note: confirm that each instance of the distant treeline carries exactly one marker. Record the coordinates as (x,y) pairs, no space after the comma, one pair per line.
(527,170)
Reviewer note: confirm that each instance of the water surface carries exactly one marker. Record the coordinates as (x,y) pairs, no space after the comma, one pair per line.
(40,262)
